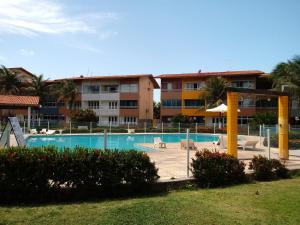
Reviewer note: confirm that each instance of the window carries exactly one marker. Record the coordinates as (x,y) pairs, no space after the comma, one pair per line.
(93,104)
(113,119)
(193,103)
(109,88)
(129,119)
(194,86)
(128,104)
(91,89)
(113,105)
(171,103)
(131,88)
(243,84)
(167,86)
(50,104)
(61,103)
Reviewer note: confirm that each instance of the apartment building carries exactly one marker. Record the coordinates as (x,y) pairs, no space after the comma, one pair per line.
(180,94)
(116,100)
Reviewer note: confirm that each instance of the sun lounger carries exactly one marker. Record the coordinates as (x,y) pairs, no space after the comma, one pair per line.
(50,132)
(43,131)
(33,131)
(247,143)
(158,142)
(83,127)
(131,131)
(184,144)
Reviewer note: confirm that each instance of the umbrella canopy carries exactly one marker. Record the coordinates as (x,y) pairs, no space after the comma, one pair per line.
(221,108)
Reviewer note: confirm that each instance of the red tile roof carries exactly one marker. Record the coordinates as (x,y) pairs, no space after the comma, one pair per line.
(210,74)
(15,100)
(110,77)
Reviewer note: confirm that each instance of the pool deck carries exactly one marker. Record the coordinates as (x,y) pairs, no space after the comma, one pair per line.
(172,161)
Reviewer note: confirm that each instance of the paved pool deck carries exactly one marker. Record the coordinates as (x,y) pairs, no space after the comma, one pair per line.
(172,161)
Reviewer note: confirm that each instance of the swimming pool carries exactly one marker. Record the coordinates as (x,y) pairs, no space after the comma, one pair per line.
(114,141)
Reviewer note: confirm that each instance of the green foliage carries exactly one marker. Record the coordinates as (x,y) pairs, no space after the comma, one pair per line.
(215,91)
(9,82)
(37,173)
(84,115)
(66,91)
(213,169)
(267,118)
(294,141)
(180,119)
(267,169)
(156,110)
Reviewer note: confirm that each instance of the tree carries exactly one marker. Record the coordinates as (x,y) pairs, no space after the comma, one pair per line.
(288,73)
(67,91)
(180,119)
(39,87)
(156,110)
(84,115)
(267,118)
(214,91)
(10,82)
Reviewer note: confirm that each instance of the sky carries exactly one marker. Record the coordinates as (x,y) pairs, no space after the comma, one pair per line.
(110,37)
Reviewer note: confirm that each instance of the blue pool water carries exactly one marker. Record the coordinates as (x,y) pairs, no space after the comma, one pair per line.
(115,141)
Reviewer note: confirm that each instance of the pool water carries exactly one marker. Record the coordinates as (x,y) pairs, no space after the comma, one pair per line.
(114,141)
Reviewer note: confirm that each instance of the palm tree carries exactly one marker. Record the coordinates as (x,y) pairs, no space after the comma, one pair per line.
(67,91)
(288,73)
(214,91)
(9,82)
(39,87)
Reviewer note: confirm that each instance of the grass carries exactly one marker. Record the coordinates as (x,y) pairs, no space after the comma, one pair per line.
(260,203)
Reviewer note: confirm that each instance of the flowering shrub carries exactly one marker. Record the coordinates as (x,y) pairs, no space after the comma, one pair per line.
(217,169)
(268,169)
(35,172)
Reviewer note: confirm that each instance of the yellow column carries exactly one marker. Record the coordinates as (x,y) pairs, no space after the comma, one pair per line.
(232,119)
(283,128)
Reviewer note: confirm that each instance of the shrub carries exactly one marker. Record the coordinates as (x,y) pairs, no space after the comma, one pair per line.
(294,141)
(35,173)
(213,169)
(267,169)
(84,115)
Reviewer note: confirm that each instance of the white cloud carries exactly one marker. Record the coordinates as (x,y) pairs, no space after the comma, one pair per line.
(27,52)
(32,17)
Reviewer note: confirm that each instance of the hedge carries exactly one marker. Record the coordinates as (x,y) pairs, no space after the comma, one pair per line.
(47,172)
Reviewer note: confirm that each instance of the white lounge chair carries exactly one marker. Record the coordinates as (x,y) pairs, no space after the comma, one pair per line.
(131,131)
(247,143)
(43,131)
(50,132)
(222,142)
(158,142)
(184,144)
(33,131)
(83,127)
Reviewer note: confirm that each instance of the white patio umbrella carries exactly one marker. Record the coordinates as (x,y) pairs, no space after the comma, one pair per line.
(221,109)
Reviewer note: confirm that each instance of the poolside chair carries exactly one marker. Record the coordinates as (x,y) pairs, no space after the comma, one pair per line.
(158,142)
(131,131)
(222,142)
(43,131)
(184,144)
(50,132)
(248,143)
(33,131)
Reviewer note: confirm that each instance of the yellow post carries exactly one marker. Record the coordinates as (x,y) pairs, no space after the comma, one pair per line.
(283,127)
(232,119)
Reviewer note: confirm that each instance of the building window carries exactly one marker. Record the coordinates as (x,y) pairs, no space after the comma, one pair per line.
(91,89)
(50,104)
(168,86)
(128,104)
(243,84)
(129,88)
(130,119)
(61,103)
(113,119)
(193,103)
(113,105)
(171,103)
(109,88)
(194,86)
(93,104)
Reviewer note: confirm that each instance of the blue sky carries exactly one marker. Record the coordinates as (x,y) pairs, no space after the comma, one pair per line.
(105,37)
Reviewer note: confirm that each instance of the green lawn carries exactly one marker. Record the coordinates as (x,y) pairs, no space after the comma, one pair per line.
(275,203)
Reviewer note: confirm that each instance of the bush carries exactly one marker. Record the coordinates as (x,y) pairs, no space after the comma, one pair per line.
(84,115)
(35,173)
(213,169)
(268,169)
(294,141)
